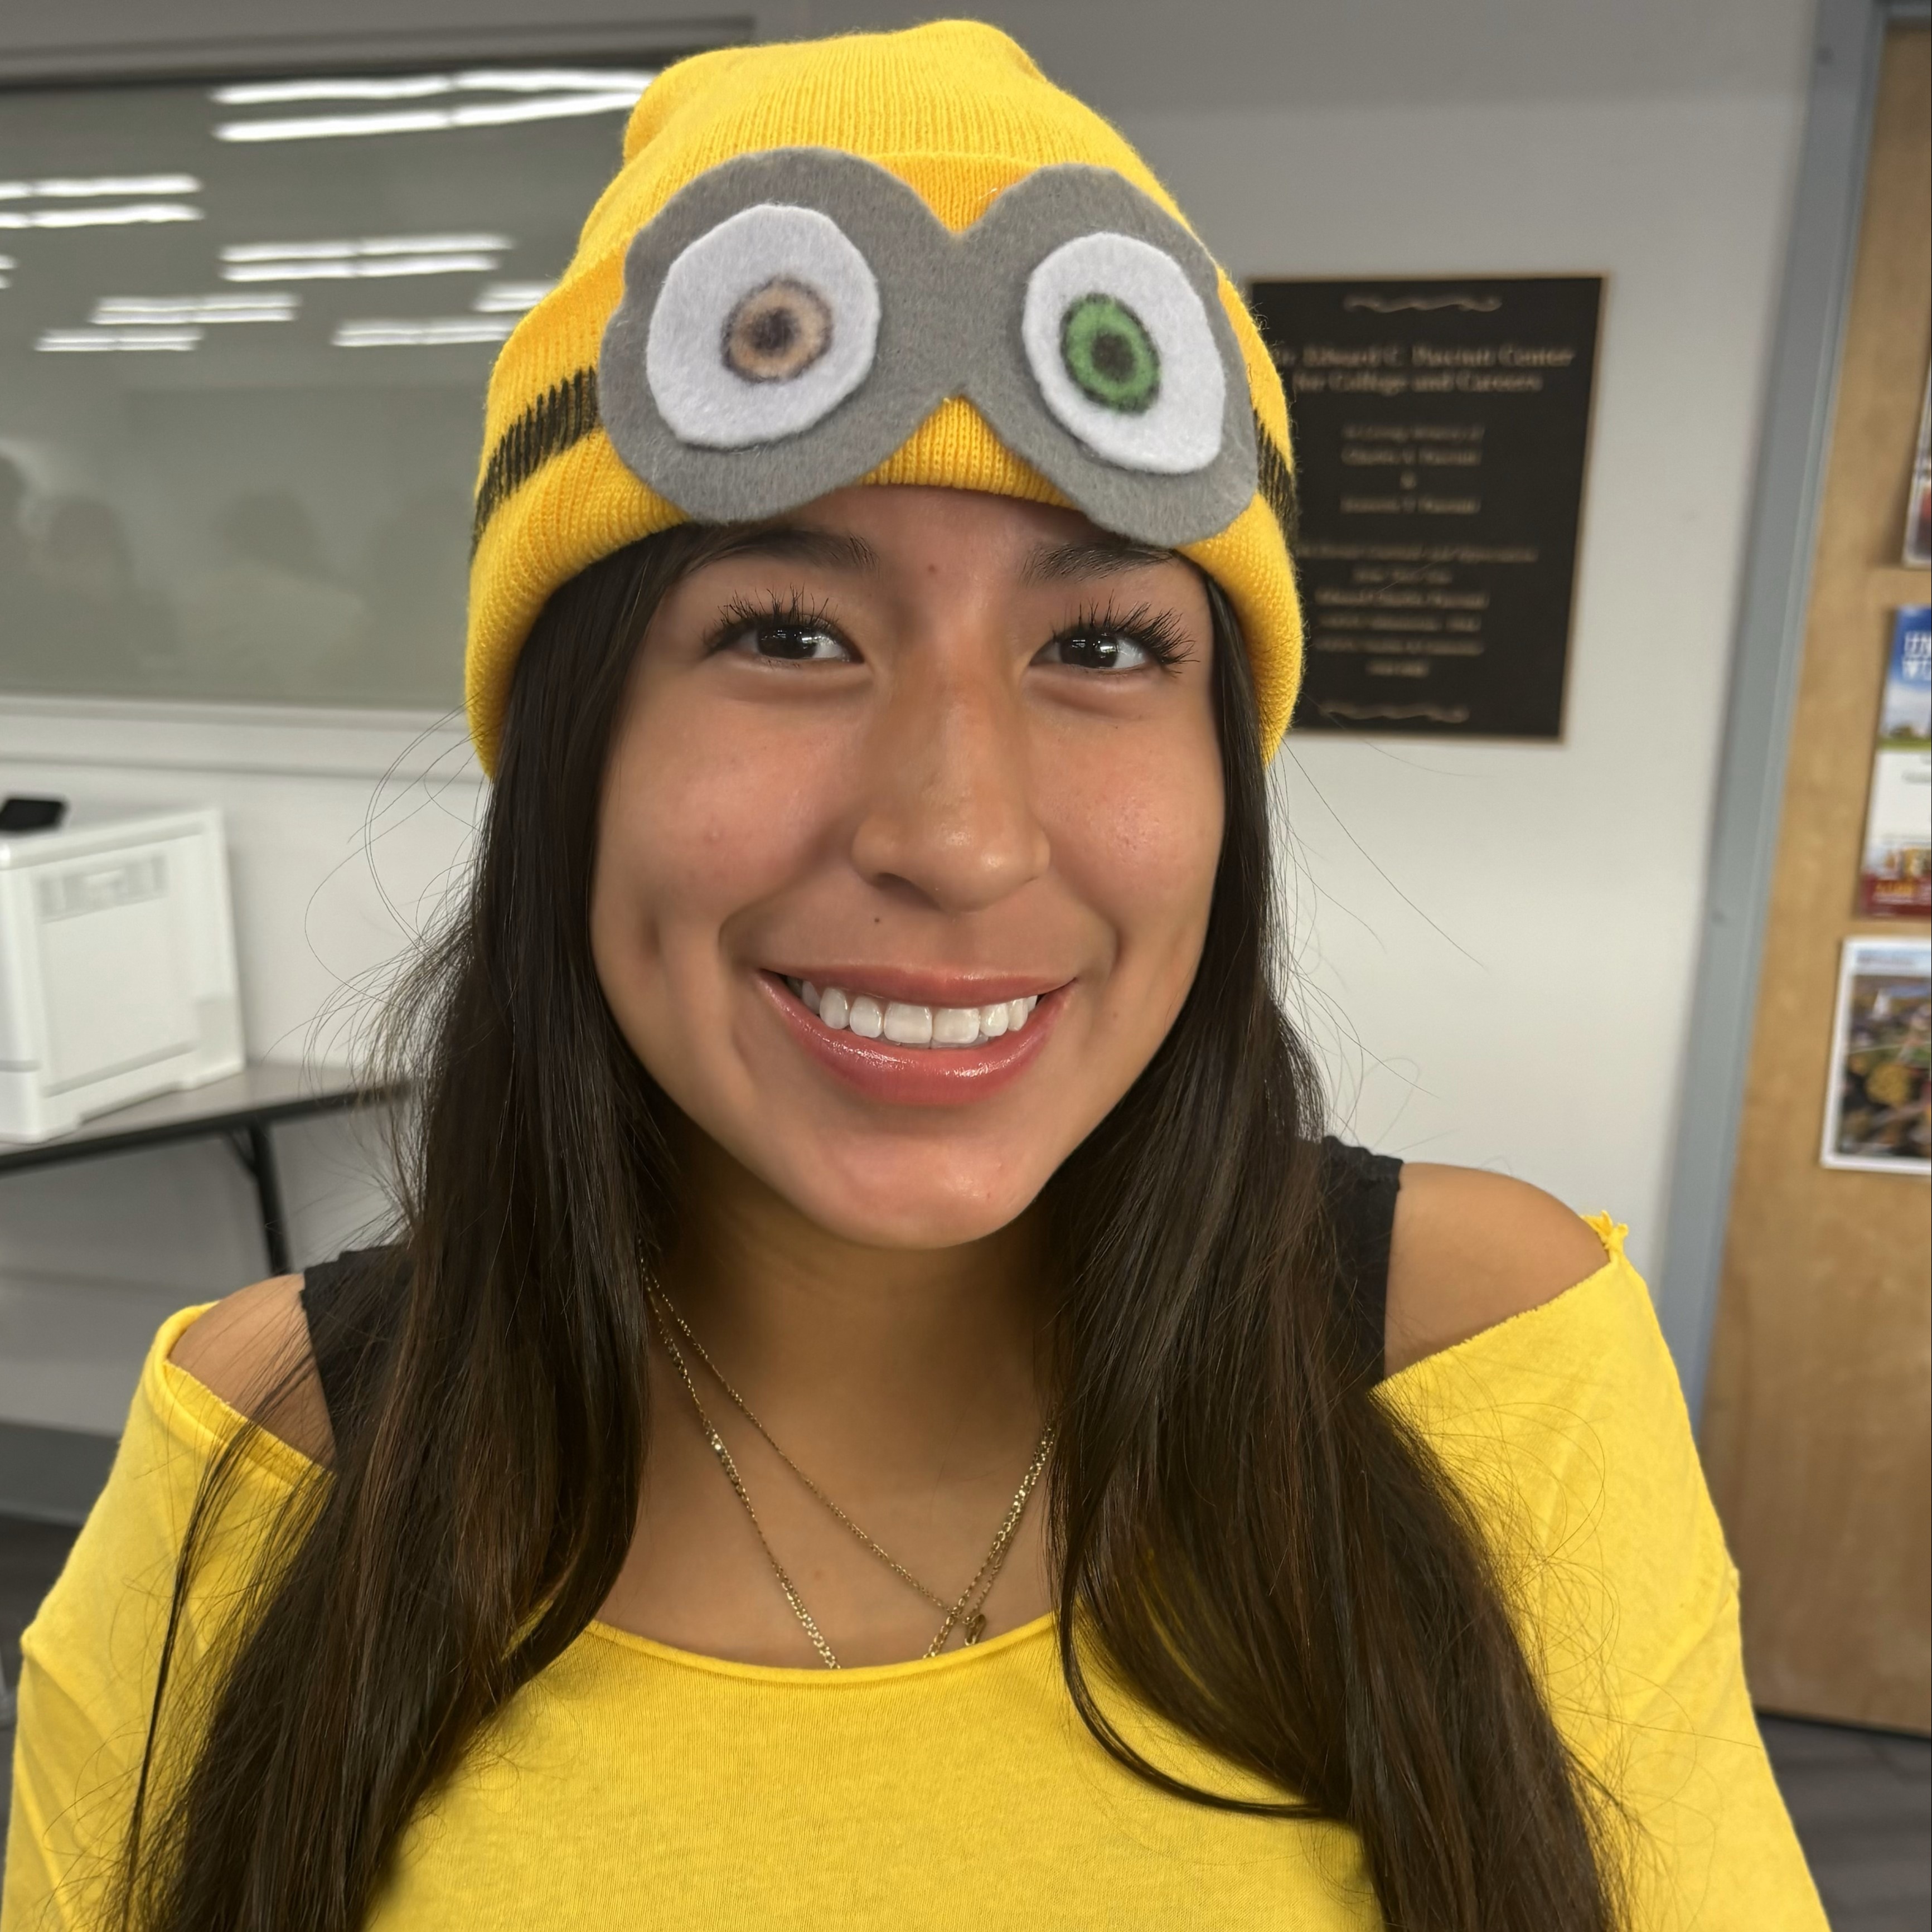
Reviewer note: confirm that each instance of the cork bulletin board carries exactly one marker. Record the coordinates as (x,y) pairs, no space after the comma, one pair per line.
(1818,1417)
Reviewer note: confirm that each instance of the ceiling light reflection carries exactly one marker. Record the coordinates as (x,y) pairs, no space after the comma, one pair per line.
(557,79)
(134,214)
(418,86)
(380,269)
(95,341)
(430,120)
(354,87)
(81,189)
(511,297)
(287,251)
(153,309)
(435,331)
(379,244)
(425,245)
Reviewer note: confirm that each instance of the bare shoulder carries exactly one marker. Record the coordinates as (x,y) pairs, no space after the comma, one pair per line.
(1471,1250)
(252,1350)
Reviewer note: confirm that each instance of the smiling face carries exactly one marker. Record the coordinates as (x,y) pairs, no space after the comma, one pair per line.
(908,840)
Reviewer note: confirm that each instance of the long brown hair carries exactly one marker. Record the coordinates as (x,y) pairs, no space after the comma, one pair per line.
(1247,1539)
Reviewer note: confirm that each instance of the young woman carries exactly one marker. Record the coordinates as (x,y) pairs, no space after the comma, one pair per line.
(882,1409)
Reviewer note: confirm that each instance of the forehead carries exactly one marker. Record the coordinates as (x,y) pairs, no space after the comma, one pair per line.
(874,528)
(911,506)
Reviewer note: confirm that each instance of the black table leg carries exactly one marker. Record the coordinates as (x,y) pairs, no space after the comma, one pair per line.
(256,1150)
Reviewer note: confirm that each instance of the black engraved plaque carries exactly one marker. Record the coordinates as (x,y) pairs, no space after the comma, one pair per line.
(1440,431)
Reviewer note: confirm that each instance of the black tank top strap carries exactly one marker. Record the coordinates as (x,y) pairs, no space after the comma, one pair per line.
(354,1304)
(1360,1189)
(354,1307)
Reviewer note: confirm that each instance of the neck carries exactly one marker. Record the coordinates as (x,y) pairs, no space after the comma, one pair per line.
(927,1355)
(905,1382)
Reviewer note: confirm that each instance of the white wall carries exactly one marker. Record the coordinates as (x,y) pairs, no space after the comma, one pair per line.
(1499,941)
(344,832)
(1496,942)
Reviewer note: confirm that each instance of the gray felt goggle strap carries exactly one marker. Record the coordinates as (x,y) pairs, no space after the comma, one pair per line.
(567,411)
(949,324)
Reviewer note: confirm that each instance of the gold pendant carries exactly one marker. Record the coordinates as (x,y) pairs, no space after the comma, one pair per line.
(975,1628)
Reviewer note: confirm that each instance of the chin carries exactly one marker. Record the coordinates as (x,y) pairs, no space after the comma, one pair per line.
(930,1202)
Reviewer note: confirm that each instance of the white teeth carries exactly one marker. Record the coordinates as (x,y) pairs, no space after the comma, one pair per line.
(907,1024)
(955,1026)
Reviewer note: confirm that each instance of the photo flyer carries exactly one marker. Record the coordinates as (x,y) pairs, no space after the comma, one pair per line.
(1878,1116)
(1918,505)
(1895,874)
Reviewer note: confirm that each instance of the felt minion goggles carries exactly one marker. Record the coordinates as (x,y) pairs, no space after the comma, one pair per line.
(790,318)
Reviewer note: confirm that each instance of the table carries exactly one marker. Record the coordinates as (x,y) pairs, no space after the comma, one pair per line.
(239,1109)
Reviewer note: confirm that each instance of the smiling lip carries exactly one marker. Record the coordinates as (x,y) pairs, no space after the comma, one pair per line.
(917,1076)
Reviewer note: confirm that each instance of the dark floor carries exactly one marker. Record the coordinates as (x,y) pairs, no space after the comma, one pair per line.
(1862,1800)
(31,1555)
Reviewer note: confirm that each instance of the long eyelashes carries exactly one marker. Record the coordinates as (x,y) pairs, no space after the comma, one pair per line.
(1155,631)
(793,615)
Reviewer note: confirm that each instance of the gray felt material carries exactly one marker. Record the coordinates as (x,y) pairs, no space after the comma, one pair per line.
(1156,403)
(901,242)
(949,325)
(1022,227)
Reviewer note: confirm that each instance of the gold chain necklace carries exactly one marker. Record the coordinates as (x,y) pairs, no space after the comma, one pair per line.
(967,1610)
(995,1556)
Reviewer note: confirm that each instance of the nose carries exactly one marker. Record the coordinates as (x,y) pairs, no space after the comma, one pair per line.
(948,814)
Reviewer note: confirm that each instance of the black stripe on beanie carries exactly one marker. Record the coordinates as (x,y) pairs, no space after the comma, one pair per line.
(1276,481)
(566,412)
(559,418)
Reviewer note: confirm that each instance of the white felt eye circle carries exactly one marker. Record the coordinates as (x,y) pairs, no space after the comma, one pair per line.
(763,325)
(1124,354)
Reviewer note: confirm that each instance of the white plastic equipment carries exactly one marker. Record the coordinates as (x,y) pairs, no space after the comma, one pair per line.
(117,965)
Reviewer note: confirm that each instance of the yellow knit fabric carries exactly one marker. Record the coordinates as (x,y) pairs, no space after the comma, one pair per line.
(958,112)
(631,1786)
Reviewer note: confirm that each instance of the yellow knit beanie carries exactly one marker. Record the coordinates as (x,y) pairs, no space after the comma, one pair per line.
(766,304)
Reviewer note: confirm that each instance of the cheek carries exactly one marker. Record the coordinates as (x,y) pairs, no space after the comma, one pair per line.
(701,819)
(1139,841)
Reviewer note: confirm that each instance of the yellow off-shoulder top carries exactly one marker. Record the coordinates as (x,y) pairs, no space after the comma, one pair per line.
(633,1785)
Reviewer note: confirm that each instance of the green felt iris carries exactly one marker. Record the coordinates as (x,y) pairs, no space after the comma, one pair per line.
(1110,354)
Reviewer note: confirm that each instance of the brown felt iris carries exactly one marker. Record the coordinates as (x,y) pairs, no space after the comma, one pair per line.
(778,332)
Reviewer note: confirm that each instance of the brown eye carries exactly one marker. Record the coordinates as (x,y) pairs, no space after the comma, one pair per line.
(1099,650)
(787,640)
(777,332)
(798,643)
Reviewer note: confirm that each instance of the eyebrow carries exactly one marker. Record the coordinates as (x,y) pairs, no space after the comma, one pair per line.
(1101,556)
(798,543)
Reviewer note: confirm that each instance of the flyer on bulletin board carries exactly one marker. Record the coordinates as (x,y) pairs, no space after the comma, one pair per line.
(1918,507)
(1878,1116)
(1895,876)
